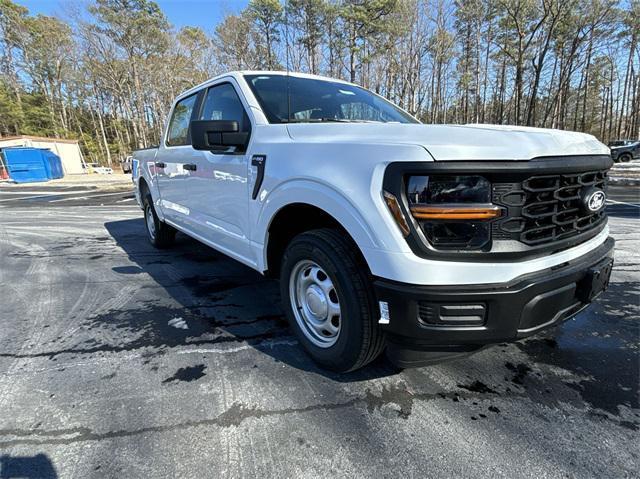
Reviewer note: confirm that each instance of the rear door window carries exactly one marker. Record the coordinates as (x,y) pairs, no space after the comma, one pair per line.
(178,134)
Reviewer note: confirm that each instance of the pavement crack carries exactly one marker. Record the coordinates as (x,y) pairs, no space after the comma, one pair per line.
(233,416)
(236,414)
(107,348)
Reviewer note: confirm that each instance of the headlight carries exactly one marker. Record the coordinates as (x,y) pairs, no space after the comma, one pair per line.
(454,212)
(448,189)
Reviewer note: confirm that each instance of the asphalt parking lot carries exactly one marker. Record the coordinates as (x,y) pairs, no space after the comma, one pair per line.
(117,360)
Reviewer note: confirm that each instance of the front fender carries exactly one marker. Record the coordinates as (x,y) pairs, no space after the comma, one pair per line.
(326,198)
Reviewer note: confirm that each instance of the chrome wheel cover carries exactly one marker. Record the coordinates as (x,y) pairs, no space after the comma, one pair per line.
(315,303)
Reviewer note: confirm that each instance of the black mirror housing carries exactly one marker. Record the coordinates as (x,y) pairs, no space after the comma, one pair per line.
(217,135)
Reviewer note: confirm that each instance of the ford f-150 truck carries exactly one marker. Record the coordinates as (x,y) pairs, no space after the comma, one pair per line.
(429,241)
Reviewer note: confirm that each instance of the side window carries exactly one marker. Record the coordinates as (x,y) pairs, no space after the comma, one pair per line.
(179,124)
(222,103)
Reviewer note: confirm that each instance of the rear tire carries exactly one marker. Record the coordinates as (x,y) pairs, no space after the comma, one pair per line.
(160,234)
(328,297)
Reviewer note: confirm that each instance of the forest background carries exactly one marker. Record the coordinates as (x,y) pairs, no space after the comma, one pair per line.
(107,72)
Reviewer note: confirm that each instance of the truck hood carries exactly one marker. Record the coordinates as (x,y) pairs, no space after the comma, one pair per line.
(456,142)
(622,147)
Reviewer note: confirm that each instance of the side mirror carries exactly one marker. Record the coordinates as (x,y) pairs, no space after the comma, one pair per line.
(217,135)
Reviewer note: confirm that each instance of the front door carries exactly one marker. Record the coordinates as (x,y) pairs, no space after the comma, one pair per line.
(218,190)
(173,154)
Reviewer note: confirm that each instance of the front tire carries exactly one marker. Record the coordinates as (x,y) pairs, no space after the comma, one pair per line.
(625,158)
(329,302)
(160,234)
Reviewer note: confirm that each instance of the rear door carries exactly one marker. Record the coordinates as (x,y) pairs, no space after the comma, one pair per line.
(173,154)
(218,189)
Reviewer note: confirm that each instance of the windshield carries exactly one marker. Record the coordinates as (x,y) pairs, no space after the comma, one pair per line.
(621,143)
(312,100)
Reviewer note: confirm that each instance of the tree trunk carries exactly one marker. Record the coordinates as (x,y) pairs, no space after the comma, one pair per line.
(627,75)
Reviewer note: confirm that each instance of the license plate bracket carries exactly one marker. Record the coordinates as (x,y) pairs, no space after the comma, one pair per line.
(595,281)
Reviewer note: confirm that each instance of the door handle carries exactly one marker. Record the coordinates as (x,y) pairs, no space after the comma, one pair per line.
(190,166)
(160,164)
(258,161)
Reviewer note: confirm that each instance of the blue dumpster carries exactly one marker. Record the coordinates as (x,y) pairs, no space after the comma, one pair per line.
(26,165)
(53,165)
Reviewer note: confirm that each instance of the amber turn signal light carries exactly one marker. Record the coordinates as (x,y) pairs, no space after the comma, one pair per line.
(455,212)
(396,212)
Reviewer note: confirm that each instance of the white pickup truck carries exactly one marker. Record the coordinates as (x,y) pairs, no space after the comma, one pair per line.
(429,241)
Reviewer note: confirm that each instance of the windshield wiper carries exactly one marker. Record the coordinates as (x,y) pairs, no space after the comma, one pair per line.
(329,120)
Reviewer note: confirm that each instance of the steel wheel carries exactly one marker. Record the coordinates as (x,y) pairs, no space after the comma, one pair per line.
(151,224)
(315,303)
(329,301)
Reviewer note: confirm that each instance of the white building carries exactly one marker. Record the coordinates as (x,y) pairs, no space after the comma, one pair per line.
(68,150)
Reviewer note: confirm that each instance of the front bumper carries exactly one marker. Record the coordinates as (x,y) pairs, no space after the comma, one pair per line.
(454,320)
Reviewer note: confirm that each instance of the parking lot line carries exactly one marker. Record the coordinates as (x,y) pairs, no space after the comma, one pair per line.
(89,197)
(622,203)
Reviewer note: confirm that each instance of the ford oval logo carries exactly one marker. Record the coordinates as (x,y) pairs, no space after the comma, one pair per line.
(594,200)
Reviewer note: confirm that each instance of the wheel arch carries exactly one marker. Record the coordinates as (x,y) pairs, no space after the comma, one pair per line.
(290,221)
(148,183)
(305,206)
(142,185)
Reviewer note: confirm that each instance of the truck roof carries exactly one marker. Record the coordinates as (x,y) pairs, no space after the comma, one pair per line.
(237,74)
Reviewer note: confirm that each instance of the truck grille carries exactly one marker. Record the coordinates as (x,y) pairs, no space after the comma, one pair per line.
(547,208)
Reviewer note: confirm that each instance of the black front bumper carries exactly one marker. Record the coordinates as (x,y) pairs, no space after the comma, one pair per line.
(454,320)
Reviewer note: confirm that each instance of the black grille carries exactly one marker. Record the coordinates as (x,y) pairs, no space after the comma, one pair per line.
(547,208)
(451,315)
(427,312)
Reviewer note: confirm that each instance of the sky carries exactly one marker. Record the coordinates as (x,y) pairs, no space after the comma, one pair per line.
(203,13)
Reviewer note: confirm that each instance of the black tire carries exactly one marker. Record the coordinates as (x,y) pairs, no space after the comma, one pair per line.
(360,340)
(163,235)
(626,157)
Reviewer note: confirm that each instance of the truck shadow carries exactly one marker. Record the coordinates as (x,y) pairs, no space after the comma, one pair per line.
(27,467)
(207,300)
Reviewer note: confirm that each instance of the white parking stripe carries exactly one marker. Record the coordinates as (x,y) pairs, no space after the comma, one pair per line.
(45,193)
(89,197)
(622,203)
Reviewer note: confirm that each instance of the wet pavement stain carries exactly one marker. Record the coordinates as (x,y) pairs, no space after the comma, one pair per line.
(478,387)
(188,374)
(127,269)
(521,371)
(393,401)
(203,286)
(604,366)
(146,328)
